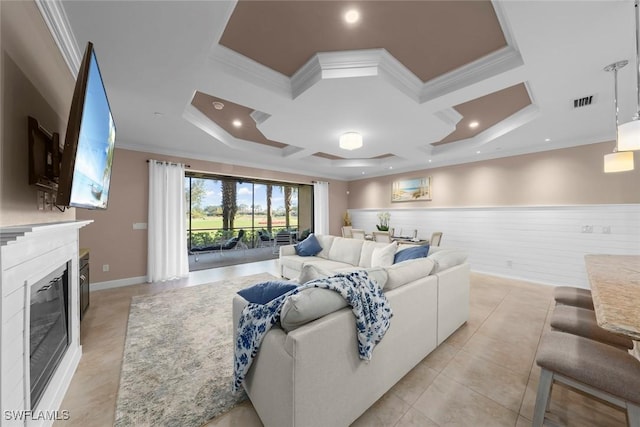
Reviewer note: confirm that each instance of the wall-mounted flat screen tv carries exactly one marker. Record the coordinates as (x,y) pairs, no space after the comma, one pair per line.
(87,158)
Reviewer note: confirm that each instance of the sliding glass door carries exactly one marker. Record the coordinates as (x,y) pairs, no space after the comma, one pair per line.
(219,207)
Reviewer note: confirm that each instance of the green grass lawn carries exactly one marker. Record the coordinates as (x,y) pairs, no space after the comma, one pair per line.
(241,221)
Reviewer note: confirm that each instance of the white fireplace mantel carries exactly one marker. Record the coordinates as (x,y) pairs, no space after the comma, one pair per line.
(27,254)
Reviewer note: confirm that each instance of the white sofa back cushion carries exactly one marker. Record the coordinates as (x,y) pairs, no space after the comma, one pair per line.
(325,241)
(447,258)
(346,250)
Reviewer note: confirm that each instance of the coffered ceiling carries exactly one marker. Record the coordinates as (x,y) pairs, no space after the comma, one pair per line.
(273,84)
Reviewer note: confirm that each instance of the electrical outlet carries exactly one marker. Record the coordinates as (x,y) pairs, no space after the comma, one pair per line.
(606,229)
(587,228)
(105,267)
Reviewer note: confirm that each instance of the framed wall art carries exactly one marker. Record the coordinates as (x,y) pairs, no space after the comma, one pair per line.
(409,190)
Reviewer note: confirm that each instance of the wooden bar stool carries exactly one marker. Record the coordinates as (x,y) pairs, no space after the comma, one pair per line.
(577,297)
(603,371)
(580,321)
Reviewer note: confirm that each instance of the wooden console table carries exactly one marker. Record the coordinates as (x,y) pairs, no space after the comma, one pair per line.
(615,288)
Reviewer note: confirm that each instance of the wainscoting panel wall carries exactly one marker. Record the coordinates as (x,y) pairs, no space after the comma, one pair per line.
(544,244)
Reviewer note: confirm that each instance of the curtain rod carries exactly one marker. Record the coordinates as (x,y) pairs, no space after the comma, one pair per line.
(171,163)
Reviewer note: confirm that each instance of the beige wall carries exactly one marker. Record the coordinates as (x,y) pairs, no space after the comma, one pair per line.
(112,239)
(568,176)
(36,82)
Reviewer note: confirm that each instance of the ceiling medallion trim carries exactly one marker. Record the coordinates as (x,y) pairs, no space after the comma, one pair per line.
(55,17)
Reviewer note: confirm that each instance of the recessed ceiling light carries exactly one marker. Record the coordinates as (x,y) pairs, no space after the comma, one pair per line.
(237,123)
(478,152)
(352,16)
(362,172)
(547,139)
(473,124)
(218,105)
(390,167)
(429,160)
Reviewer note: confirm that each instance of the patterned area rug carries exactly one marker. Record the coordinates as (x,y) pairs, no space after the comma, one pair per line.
(177,367)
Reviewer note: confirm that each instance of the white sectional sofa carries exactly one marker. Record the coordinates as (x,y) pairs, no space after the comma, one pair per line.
(311,375)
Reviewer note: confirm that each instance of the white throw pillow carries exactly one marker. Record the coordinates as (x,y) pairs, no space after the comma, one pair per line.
(383,257)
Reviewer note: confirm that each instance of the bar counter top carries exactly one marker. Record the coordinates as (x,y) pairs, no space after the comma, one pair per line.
(615,287)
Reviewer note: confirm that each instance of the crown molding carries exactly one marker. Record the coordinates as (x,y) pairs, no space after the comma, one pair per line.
(516,120)
(498,62)
(259,116)
(55,17)
(250,71)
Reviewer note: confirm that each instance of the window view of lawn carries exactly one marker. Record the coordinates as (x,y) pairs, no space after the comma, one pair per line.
(218,209)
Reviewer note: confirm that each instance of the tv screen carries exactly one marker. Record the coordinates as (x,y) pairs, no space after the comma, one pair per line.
(85,171)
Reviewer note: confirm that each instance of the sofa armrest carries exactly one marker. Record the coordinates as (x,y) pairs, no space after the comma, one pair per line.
(239,304)
(453,299)
(287,250)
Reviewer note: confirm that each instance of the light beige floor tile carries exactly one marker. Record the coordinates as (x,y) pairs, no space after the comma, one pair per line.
(517,356)
(386,412)
(449,403)
(493,381)
(414,418)
(412,385)
(439,357)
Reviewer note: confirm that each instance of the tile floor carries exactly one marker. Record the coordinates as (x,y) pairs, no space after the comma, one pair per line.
(483,375)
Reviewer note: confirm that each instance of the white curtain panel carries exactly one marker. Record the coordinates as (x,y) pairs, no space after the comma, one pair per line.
(321,207)
(167,243)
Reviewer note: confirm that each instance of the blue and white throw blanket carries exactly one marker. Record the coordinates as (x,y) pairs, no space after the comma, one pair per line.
(369,305)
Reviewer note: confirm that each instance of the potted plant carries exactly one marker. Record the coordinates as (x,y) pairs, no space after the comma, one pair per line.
(346,219)
(383,218)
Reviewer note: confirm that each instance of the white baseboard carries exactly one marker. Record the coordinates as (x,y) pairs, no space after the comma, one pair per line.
(522,279)
(109,284)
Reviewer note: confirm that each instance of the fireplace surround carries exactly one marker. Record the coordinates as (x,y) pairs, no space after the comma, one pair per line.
(31,254)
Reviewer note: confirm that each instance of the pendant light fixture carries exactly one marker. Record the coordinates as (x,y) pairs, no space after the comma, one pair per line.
(629,133)
(618,161)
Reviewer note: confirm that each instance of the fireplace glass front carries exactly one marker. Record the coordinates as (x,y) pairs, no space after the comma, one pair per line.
(49,332)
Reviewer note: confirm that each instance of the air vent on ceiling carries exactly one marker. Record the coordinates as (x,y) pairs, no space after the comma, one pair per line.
(583,102)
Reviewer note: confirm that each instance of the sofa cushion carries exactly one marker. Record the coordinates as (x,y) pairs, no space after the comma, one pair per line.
(262,293)
(309,246)
(445,259)
(314,303)
(408,271)
(325,240)
(308,305)
(346,250)
(383,256)
(377,274)
(295,262)
(325,264)
(311,272)
(411,253)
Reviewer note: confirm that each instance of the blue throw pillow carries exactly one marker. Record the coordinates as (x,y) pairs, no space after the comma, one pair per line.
(264,292)
(411,253)
(309,246)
